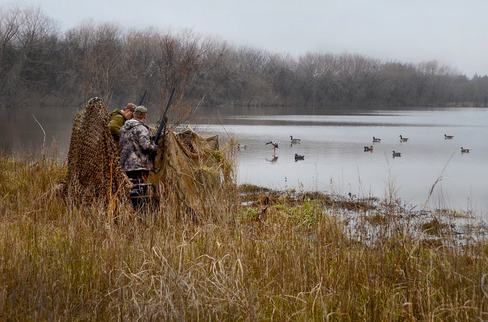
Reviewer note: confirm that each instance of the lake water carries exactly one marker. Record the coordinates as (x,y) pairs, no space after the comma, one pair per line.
(335,161)
(333,149)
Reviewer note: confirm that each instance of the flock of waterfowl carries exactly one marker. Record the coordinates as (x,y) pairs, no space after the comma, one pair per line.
(298,157)
(404,139)
(275,145)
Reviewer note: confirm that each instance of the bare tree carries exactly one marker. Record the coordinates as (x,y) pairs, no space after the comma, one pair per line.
(38,64)
(27,41)
(9,27)
(95,56)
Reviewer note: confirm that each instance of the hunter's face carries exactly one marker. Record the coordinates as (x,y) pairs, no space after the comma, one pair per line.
(128,114)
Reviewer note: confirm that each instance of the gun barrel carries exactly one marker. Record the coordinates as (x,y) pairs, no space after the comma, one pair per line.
(142,98)
(164,119)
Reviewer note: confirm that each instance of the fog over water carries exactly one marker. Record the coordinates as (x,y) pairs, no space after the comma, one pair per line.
(333,149)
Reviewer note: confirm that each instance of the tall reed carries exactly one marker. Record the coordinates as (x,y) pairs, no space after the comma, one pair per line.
(283,256)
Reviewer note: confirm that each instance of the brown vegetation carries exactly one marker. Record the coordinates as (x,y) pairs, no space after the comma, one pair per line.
(263,254)
(279,256)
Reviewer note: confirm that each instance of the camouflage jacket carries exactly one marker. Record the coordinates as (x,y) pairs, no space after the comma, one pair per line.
(117,120)
(135,146)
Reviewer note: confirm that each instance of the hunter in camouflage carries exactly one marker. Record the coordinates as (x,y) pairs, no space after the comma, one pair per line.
(135,144)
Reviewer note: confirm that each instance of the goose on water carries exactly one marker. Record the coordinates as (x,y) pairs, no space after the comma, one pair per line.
(402,139)
(376,139)
(275,146)
(368,148)
(396,154)
(299,157)
(292,140)
(448,137)
(464,150)
(273,143)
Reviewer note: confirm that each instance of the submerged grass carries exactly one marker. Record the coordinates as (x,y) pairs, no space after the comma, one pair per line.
(283,256)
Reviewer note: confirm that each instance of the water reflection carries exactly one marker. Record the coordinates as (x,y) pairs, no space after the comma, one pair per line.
(21,134)
(334,146)
(335,159)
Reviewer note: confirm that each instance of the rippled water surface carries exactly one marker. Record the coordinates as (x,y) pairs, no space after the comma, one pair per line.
(333,149)
(335,161)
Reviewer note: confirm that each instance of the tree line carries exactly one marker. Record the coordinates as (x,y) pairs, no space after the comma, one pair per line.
(39,65)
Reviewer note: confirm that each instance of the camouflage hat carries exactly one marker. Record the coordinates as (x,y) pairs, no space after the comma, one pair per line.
(131,107)
(141,110)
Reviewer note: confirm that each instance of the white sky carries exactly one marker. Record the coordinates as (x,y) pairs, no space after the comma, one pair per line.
(453,32)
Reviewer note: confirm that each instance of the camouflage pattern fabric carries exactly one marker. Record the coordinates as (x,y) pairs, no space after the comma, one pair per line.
(94,171)
(135,146)
(193,175)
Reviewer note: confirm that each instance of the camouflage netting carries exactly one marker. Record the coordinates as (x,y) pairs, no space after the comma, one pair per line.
(193,174)
(94,171)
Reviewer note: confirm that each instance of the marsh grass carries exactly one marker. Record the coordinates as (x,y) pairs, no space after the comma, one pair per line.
(278,256)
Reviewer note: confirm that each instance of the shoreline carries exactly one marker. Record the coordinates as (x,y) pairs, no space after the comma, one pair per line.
(423,222)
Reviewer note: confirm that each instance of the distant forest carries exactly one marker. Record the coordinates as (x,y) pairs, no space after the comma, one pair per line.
(41,66)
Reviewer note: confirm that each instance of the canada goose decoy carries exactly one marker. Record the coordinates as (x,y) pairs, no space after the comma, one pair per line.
(275,146)
(463,150)
(293,141)
(241,146)
(368,149)
(299,157)
(273,143)
(376,139)
(402,139)
(448,137)
(396,154)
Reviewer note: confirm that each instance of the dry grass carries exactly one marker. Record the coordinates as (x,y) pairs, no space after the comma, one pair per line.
(283,256)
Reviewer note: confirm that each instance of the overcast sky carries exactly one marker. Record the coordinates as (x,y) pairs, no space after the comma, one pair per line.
(453,32)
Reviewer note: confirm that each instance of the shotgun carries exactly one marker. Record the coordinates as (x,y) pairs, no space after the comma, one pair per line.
(164,119)
(142,98)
